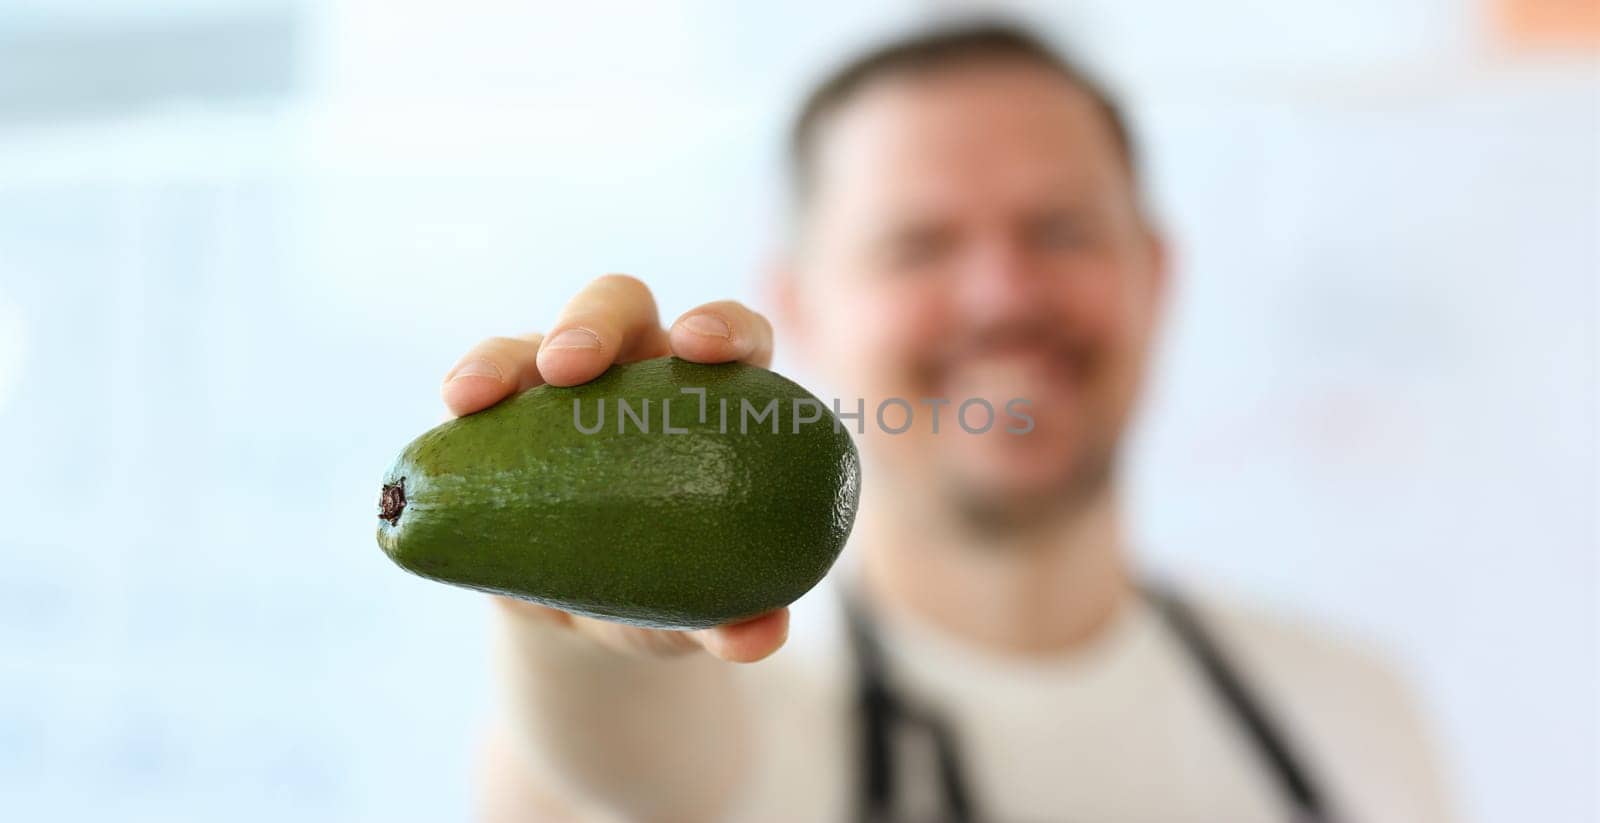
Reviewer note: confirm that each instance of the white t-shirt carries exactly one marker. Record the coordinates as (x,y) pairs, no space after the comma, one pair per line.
(1125,730)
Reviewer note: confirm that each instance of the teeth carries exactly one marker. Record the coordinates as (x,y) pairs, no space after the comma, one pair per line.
(1000,380)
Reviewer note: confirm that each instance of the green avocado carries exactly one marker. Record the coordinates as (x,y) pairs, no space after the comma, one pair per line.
(664,493)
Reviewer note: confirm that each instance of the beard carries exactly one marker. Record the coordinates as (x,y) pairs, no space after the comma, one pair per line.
(992,512)
(1072,382)
(983,497)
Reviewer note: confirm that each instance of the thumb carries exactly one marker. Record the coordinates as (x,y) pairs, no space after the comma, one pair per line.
(749,640)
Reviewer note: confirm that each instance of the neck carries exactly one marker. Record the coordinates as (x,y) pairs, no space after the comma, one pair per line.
(1048,591)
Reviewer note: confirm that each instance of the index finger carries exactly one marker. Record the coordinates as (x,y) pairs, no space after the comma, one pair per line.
(612,320)
(722,332)
(489,372)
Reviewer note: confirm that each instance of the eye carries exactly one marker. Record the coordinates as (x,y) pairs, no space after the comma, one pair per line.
(1057,232)
(918,248)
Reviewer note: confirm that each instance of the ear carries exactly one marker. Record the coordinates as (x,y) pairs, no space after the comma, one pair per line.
(781,287)
(1158,255)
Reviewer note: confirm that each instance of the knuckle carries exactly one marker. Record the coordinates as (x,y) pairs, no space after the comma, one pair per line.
(486,347)
(622,282)
(750,321)
(501,345)
(603,324)
(763,324)
(755,319)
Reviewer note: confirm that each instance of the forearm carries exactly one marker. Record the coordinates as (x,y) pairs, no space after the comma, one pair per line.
(650,738)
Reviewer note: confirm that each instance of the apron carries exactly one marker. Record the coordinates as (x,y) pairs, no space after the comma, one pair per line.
(883,712)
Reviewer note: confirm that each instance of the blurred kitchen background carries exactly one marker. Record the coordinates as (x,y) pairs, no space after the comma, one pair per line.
(242,240)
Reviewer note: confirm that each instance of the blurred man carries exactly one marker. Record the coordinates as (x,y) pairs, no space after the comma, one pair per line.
(967,224)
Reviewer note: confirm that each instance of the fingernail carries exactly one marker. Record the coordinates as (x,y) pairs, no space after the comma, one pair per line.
(476,368)
(708,325)
(574,339)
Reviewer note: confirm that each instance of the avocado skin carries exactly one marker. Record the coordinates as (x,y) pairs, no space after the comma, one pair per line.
(677,531)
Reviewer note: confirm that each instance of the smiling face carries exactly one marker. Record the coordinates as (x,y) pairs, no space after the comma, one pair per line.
(974,232)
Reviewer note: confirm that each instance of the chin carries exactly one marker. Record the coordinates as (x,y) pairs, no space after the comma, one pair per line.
(1018,464)
(1014,492)
(988,510)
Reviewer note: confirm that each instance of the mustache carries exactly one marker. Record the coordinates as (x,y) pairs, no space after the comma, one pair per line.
(1060,344)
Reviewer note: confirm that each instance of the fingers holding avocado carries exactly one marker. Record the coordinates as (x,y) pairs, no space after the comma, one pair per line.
(579,532)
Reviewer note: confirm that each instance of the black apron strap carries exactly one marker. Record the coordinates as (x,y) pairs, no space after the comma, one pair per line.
(875,707)
(881,712)
(1294,782)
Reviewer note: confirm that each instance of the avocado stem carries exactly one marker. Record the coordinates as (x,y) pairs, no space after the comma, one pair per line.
(392,501)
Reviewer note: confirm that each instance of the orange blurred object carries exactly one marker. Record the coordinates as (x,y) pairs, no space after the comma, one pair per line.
(1548,24)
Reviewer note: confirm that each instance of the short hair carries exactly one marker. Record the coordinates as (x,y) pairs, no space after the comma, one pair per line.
(923,52)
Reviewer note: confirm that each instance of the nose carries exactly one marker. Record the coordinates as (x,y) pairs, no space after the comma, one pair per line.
(996,282)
